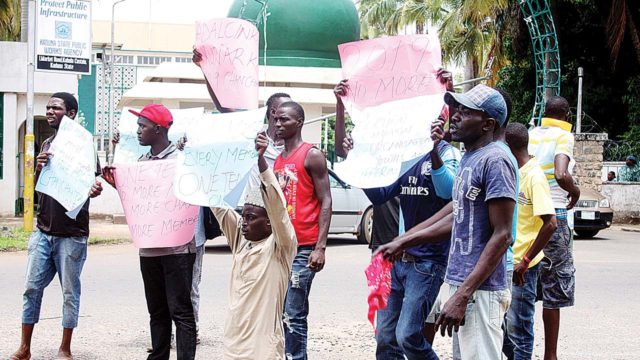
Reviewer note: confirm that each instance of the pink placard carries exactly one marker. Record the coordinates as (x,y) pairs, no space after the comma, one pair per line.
(229,49)
(155,216)
(391,68)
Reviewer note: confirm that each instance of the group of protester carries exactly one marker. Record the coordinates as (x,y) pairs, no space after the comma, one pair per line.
(481,227)
(490,223)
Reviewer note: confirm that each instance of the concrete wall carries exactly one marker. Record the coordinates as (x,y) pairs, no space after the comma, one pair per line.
(587,152)
(146,35)
(13,73)
(9,181)
(624,200)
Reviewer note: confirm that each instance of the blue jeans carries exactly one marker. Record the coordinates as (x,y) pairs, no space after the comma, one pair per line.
(520,317)
(414,289)
(296,305)
(47,256)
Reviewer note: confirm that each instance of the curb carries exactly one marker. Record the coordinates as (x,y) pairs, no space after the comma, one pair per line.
(630,229)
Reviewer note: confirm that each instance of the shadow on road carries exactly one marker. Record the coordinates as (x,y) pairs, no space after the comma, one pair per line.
(595,238)
(219,246)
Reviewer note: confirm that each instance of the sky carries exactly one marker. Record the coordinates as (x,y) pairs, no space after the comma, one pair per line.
(161,11)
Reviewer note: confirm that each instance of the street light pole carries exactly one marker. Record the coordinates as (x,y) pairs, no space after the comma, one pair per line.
(579,114)
(29,151)
(111,80)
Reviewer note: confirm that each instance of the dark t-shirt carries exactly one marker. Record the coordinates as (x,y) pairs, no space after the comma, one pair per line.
(385,225)
(52,217)
(418,201)
(485,174)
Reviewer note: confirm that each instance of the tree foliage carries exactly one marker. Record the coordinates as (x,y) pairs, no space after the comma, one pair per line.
(611,95)
(469,31)
(9,20)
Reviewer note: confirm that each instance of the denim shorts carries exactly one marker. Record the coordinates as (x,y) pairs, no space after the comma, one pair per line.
(557,273)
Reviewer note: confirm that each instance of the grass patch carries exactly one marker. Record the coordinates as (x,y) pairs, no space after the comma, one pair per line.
(13,239)
(17,239)
(105,241)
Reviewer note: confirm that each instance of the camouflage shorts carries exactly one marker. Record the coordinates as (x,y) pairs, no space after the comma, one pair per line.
(557,273)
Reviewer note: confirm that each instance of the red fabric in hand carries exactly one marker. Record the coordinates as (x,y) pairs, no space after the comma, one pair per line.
(379,281)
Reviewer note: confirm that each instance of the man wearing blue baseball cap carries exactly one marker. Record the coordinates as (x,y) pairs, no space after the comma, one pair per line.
(484,197)
(631,172)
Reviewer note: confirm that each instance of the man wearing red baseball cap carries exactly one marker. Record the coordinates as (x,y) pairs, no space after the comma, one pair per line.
(166,272)
(156,113)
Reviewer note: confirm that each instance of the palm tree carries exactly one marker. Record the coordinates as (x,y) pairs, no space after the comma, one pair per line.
(9,20)
(469,31)
(619,24)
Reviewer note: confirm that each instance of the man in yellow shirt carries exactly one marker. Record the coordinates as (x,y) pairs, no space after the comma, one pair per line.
(536,224)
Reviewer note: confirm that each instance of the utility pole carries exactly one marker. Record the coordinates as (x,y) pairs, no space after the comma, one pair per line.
(111,81)
(29,151)
(579,115)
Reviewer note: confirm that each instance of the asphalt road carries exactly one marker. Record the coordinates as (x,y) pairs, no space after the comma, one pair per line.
(604,324)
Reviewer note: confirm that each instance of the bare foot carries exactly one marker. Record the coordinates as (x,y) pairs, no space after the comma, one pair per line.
(21,354)
(64,355)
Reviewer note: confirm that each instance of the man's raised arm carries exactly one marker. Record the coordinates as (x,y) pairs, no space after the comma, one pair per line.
(274,201)
(197,58)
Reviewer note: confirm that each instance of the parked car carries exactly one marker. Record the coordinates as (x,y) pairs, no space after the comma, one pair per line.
(592,213)
(352,210)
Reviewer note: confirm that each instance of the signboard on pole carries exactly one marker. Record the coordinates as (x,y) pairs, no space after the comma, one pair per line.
(63,36)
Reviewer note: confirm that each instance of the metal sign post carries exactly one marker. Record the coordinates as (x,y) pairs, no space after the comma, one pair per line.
(29,151)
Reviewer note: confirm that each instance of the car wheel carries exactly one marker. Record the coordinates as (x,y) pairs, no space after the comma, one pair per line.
(587,234)
(366,224)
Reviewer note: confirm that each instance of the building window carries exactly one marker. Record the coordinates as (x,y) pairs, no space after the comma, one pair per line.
(153,60)
(183,59)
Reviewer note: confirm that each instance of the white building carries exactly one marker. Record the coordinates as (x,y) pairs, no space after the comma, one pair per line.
(13,113)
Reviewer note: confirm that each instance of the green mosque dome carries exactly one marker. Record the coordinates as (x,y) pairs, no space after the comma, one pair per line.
(301,32)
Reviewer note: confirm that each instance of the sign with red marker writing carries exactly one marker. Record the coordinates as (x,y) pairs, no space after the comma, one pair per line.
(391,68)
(229,49)
(155,216)
(393,96)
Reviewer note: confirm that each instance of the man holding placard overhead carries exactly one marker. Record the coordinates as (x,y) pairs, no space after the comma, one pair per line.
(263,243)
(58,245)
(167,272)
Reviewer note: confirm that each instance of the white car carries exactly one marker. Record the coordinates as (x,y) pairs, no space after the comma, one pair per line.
(352,210)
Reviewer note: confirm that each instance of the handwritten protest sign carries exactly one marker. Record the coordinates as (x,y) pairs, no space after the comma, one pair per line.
(390,68)
(155,216)
(229,49)
(71,170)
(129,150)
(219,153)
(388,139)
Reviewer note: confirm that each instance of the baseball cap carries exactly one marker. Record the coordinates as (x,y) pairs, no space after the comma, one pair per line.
(482,98)
(156,113)
(632,158)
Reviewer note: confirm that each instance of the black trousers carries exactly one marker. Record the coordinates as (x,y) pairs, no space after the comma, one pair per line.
(167,287)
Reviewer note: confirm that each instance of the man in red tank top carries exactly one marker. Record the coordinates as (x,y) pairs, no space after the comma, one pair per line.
(302,172)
